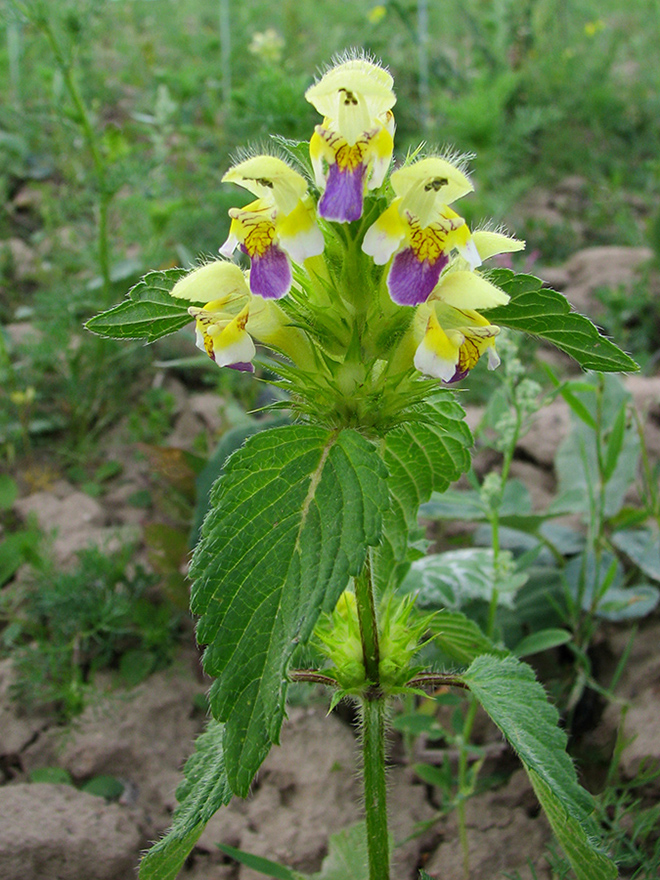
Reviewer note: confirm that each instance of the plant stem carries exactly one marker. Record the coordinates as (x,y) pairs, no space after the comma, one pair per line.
(375,791)
(104,195)
(373,731)
(225,54)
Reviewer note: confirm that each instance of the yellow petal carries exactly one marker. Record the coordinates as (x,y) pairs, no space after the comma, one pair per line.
(345,84)
(384,236)
(489,244)
(299,234)
(270,179)
(437,354)
(229,345)
(432,180)
(217,280)
(381,147)
(468,290)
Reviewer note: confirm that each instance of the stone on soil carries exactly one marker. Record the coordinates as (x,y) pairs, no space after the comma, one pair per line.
(55,831)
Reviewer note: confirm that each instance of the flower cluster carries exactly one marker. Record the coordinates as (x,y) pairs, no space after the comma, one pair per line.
(363,280)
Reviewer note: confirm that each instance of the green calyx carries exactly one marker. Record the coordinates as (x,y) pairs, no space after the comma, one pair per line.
(337,635)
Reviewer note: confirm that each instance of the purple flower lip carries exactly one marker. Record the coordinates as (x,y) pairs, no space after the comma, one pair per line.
(242,367)
(343,196)
(458,375)
(270,274)
(410,280)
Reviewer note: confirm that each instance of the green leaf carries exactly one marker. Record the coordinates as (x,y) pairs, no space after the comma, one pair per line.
(15,549)
(588,862)
(259,863)
(230,441)
(509,692)
(460,637)
(576,462)
(629,603)
(541,641)
(416,723)
(108,787)
(547,314)
(578,407)
(455,504)
(422,456)
(347,855)
(52,775)
(290,522)
(642,546)
(149,313)
(204,790)
(615,443)
(597,583)
(441,777)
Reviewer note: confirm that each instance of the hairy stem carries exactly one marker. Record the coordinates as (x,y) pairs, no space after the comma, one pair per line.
(373,731)
(375,792)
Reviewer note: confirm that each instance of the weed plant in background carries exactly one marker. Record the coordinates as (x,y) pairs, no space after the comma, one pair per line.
(62,627)
(367,287)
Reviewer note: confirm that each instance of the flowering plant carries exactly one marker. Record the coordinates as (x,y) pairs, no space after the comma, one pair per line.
(367,286)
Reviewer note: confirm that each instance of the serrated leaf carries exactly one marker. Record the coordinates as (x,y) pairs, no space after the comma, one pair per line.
(461,638)
(290,522)
(149,312)
(509,692)
(547,314)
(587,861)
(422,456)
(202,793)
(231,441)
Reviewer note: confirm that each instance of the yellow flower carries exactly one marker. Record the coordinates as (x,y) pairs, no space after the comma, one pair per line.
(234,317)
(420,229)
(279,225)
(352,149)
(220,326)
(453,341)
(449,333)
(376,14)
